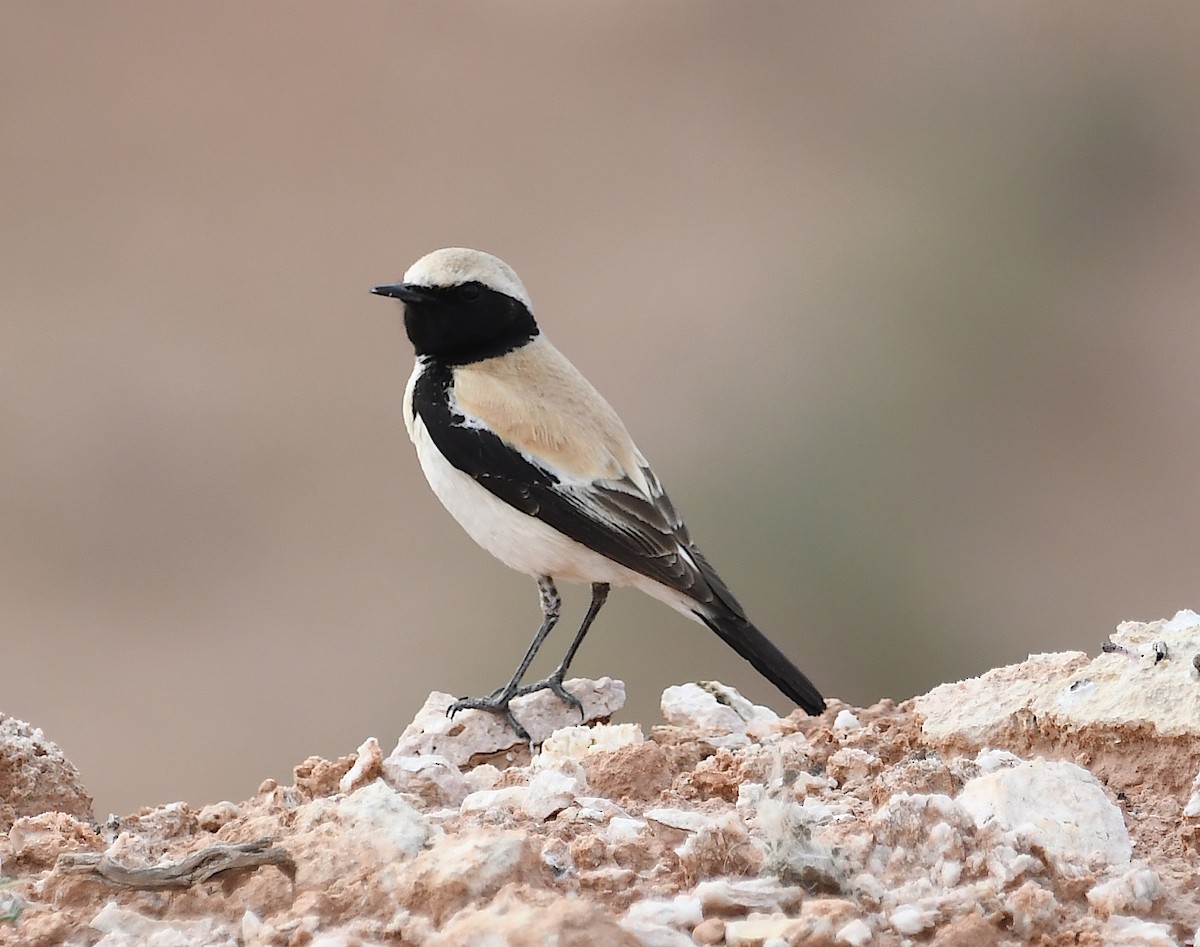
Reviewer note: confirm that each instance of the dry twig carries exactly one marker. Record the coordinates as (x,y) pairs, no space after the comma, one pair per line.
(216,861)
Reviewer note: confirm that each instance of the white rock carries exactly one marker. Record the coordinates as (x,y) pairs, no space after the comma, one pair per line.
(217,814)
(134,849)
(989,760)
(623,828)
(254,932)
(1192,809)
(807,783)
(598,809)
(716,708)
(1147,676)
(1033,908)
(505,800)
(724,826)
(1134,891)
(1060,805)
(911,919)
(368,759)
(484,776)
(856,933)
(575,743)
(475,864)
(29,833)
(376,817)
(340,938)
(649,934)
(845,720)
(479,733)
(434,779)
(1077,695)
(789,839)
(549,792)
(556,855)
(917,836)
(975,708)
(1120,931)
(850,764)
(727,896)
(764,931)
(1184,620)
(595,809)
(685,819)
(816,810)
(123,927)
(749,795)
(682,911)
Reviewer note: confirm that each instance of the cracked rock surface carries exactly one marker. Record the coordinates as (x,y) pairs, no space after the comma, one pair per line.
(1056,801)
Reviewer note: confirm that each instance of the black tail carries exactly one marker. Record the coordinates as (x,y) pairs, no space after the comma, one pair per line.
(768,660)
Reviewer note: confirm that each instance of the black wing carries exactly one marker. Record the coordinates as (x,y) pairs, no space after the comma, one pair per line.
(612,517)
(637,529)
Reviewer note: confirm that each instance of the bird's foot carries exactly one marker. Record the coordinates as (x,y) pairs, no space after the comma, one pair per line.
(499,702)
(554,683)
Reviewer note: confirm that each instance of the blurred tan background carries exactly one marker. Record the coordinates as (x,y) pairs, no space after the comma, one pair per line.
(899,299)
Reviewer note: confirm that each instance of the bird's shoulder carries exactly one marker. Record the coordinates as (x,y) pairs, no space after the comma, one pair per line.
(539,404)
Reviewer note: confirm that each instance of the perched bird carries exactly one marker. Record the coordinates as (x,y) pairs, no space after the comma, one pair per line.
(539,470)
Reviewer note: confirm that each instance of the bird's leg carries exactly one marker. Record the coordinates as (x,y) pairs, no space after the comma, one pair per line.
(554,681)
(497,702)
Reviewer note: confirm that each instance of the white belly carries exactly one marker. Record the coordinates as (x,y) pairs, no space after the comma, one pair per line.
(520,541)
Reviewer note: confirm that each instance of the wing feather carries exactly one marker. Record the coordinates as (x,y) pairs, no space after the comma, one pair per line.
(626,517)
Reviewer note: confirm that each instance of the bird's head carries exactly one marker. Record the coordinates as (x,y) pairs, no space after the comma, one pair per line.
(463,305)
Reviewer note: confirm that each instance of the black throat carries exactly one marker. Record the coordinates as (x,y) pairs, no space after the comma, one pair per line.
(457,325)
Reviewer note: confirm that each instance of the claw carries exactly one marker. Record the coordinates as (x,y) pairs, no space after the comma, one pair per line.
(569,699)
(498,701)
(554,684)
(495,703)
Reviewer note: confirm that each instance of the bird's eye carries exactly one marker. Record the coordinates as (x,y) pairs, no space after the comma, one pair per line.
(468,293)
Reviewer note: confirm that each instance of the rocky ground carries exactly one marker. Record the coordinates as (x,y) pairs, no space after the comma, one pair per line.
(1055,801)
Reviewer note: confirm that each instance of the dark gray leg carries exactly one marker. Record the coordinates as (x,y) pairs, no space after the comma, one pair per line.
(497,702)
(554,681)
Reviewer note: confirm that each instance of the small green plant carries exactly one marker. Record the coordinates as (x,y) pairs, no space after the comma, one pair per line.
(11,904)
